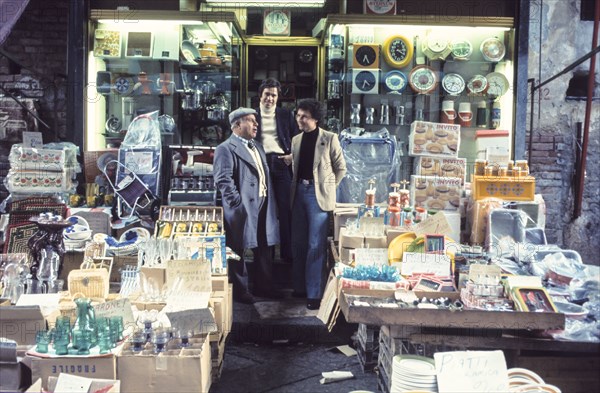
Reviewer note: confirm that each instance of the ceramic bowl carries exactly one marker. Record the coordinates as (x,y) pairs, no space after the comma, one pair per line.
(77,232)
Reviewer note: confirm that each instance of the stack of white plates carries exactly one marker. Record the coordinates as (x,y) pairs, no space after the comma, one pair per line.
(412,373)
(521,380)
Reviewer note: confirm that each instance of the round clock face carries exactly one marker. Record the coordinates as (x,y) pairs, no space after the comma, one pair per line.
(395,81)
(453,84)
(398,51)
(365,55)
(477,84)
(277,22)
(365,81)
(461,49)
(497,84)
(422,79)
(437,44)
(493,49)
(436,47)
(305,56)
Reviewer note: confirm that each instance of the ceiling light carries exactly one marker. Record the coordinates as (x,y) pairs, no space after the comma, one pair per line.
(266,3)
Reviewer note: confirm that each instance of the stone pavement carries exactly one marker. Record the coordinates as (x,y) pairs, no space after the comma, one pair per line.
(288,354)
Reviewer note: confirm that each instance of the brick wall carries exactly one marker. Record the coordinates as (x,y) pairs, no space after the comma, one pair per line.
(557,38)
(39,41)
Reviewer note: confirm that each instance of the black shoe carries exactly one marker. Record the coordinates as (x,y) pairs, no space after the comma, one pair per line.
(245,298)
(299,295)
(313,304)
(269,294)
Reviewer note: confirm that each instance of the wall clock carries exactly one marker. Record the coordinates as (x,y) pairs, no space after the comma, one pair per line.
(277,22)
(365,81)
(461,49)
(398,51)
(436,47)
(365,56)
(395,81)
(453,84)
(478,84)
(422,79)
(497,84)
(493,49)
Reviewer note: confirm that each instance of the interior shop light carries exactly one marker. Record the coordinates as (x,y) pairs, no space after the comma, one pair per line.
(266,3)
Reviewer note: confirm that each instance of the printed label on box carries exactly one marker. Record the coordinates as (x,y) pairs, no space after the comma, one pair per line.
(434,139)
(437,193)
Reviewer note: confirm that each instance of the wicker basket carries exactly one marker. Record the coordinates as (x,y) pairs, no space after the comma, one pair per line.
(92,283)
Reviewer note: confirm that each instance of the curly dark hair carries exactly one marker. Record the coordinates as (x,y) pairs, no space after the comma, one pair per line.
(312,106)
(267,83)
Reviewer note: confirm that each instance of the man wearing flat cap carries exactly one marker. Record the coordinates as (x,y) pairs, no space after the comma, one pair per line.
(242,176)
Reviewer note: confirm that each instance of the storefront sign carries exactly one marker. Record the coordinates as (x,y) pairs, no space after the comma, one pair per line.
(379,7)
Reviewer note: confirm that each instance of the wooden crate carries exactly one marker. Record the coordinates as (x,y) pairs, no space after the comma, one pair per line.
(504,187)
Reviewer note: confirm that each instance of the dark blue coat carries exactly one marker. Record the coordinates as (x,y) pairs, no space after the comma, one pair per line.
(286,127)
(236,177)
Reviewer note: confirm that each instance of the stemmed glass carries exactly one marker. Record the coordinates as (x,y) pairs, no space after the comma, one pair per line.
(165,249)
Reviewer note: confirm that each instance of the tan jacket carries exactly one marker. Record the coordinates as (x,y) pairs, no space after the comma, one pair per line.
(329,167)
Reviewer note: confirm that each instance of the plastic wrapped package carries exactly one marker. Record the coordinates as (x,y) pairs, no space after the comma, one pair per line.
(579,330)
(586,285)
(140,151)
(368,156)
(505,229)
(37,182)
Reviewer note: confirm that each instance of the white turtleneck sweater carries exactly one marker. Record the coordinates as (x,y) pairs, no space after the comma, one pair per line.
(268,125)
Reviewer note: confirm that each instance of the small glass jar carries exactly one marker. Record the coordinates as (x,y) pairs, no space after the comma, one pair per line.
(480,166)
(420,214)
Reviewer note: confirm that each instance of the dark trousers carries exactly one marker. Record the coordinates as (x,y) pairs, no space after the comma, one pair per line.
(260,271)
(281,180)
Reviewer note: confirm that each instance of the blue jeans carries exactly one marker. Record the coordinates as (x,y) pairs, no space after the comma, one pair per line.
(281,179)
(309,242)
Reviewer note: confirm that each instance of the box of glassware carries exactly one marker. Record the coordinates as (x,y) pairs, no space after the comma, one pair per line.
(197,232)
(177,368)
(95,365)
(180,221)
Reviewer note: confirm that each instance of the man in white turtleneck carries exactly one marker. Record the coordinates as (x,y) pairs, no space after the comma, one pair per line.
(276,128)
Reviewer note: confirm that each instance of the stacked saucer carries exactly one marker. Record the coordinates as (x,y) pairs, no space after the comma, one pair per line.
(521,380)
(411,373)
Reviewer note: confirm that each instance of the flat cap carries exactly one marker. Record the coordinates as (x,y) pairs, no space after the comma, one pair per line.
(240,112)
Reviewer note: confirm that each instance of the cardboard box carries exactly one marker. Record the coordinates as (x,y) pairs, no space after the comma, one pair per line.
(341,214)
(219,303)
(20,323)
(433,139)
(349,242)
(103,367)
(436,193)
(180,370)
(393,233)
(96,384)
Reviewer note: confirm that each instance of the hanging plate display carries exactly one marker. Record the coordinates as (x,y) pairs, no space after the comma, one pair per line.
(422,79)
(497,84)
(493,49)
(123,85)
(477,84)
(398,51)
(453,84)
(395,81)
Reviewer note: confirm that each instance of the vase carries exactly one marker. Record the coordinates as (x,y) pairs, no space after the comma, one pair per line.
(46,247)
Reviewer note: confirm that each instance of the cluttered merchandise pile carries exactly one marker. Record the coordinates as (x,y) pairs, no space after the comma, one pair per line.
(451,279)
